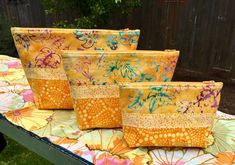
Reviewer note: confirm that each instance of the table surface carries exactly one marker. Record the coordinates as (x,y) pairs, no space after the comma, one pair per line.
(54,134)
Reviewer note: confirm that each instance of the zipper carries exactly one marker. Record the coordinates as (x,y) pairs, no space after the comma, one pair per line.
(209,82)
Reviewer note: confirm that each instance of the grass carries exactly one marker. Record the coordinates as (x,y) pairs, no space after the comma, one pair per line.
(16,154)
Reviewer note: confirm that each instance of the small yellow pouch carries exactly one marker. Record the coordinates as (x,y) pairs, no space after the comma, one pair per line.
(94,77)
(170,113)
(39,48)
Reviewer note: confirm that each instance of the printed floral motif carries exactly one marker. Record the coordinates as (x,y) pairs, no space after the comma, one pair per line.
(181,157)
(126,38)
(155,110)
(102,157)
(88,38)
(112,42)
(171,65)
(88,144)
(39,51)
(14,64)
(61,124)
(10,101)
(124,69)
(3,68)
(39,35)
(27,96)
(224,137)
(112,141)
(59,43)
(29,118)
(47,59)
(22,40)
(11,71)
(225,158)
(158,96)
(83,68)
(17,88)
(117,68)
(72,145)
(101,72)
(13,76)
(3,83)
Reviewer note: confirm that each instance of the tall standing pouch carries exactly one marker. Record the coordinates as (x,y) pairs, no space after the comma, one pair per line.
(170,114)
(94,77)
(39,51)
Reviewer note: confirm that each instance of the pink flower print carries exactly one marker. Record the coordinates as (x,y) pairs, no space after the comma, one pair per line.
(14,64)
(28,96)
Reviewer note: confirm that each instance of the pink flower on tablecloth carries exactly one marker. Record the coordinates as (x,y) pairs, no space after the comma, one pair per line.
(28,96)
(88,155)
(14,64)
(107,158)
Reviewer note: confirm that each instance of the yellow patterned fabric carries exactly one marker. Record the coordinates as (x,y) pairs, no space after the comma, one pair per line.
(169,114)
(39,49)
(101,146)
(94,77)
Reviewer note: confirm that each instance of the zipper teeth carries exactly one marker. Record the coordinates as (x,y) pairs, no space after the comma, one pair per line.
(160,84)
(117,51)
(56,30)
(75,54)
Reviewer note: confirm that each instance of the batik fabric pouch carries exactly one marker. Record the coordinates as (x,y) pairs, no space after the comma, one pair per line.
(94,77)
(169,114)
(39,48)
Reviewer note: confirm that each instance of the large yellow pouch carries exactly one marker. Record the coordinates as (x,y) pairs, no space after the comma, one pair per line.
(170,113)
(38,49)
(94,77)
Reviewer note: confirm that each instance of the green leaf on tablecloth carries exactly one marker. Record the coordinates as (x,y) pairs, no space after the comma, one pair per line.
(224,136)
(62,124)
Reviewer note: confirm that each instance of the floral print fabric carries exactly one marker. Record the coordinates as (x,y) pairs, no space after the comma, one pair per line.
(39,50)
(169,114)
(94,77)
(106,146)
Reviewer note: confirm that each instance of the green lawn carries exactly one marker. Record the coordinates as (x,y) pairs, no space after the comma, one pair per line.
(16,154)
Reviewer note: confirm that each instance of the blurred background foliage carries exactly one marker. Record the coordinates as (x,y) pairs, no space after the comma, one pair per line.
(86,14)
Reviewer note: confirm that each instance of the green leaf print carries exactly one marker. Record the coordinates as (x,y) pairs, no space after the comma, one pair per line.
(157,98)
(127,71)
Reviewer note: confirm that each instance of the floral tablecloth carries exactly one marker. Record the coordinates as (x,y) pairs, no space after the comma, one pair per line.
(101,146)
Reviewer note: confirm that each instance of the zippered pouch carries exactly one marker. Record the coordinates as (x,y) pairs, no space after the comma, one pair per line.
(176,114)
(94,77)
(39,48)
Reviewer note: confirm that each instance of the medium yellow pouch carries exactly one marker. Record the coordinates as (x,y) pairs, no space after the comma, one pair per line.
(38,49)
(94,77)
(169,113)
